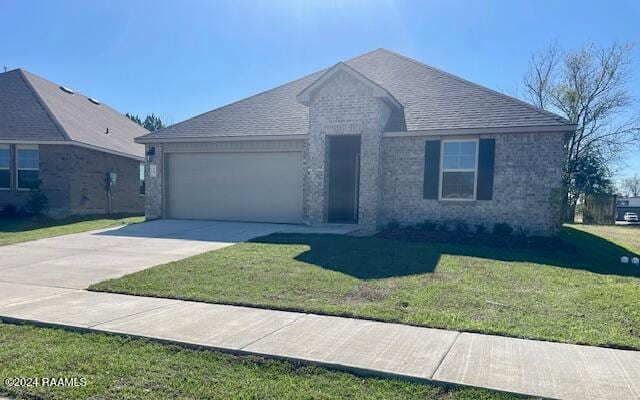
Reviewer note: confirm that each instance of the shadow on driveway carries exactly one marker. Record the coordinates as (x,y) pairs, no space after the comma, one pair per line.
(196,230)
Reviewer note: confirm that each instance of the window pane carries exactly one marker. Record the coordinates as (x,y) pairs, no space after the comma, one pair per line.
(451,148)
(142,185)
(458,185)
(450,162)
(27,158)
(27,179)
(467,162)
(5,179)
(5,158)
(459,155)
(468,148)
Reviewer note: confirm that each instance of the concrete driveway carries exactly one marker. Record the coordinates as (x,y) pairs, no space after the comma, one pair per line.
(79,260)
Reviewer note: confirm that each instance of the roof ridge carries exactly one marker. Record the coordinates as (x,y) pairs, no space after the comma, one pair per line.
(476,85)
(52,115)
(43,104)
(234,102)
(260,93)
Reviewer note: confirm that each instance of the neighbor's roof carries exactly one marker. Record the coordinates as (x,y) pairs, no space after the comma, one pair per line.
(33,109)
(431,99)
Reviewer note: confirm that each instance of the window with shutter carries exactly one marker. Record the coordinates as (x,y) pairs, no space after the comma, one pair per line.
(5,166)
(486,161)
(458,169)
(431,169)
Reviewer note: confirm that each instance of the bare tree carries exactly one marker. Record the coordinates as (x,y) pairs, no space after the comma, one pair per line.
(631,186)
(589,88)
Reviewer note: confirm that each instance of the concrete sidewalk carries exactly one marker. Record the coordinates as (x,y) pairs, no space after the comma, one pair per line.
(521,366)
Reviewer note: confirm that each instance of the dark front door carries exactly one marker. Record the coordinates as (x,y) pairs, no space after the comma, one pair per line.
(344,174)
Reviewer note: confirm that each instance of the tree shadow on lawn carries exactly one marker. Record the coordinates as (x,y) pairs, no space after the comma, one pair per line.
(377,258)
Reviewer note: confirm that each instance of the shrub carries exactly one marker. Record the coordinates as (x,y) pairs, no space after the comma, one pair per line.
(521,231)
(9,211)
(462,227)
(442,226)
(393,225)
(481,229)
(427,225)
(37,203)
(502,229)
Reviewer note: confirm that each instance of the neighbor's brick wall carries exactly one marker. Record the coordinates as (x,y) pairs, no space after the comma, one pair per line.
(73,179)
(87,182)
(527,176)
(55,181)
(343,106)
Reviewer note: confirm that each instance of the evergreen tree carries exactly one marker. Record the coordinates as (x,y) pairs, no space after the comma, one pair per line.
(152,122)
(134,118)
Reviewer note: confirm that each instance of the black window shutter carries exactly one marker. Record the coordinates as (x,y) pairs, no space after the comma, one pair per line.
(431,169)
(486,157)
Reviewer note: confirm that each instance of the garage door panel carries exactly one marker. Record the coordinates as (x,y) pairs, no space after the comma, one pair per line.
(252,186)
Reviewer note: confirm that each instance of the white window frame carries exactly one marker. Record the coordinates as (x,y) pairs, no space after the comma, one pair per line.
(443,170)
(7,147)
(143,166)
(18,169)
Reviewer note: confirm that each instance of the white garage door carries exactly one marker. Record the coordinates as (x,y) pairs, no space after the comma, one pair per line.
(252,186)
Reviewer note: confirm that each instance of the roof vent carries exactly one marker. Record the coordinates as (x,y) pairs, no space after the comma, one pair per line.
(107,132)
(94,101)
(66,90)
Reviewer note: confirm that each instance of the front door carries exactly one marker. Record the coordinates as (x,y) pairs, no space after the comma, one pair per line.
(344,176)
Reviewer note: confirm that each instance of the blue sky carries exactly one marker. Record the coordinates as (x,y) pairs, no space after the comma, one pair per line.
(179,59)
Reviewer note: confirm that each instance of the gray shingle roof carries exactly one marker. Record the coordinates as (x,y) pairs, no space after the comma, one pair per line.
(432,99)
(33,109)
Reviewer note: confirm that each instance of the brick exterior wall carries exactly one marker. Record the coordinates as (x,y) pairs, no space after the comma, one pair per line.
(74,181)
(527,171)
(87,182)
(153,206)
(526,190)
(343,106)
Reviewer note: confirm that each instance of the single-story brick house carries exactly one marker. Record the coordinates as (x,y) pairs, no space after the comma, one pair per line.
(69,143)
(376,139)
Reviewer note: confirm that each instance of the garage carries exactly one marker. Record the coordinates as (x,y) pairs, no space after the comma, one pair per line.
(235,186)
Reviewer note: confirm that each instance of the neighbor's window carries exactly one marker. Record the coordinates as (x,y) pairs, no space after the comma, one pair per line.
(27,162)
(142,186)
(5,166)
(459,165)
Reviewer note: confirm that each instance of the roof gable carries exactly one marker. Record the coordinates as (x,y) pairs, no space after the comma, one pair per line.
(39,111)
(430,99)
(378,91)
(22,114)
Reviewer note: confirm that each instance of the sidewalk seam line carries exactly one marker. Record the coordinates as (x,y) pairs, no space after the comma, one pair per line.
(444,356)
(271,333)
(131,315)
(41,285)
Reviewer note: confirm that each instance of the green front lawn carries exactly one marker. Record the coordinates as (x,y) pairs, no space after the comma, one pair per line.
(119,368)
(587,297)
(25,229)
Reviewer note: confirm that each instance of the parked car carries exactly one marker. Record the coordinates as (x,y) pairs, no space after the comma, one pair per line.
(630,217)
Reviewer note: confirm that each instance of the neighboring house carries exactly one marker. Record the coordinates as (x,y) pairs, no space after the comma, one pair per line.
(376,139)
(69,144)
(627,204)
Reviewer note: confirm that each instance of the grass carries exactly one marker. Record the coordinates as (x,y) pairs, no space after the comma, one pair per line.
(587,297)
(25,229)
(116,367)
(623,235)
